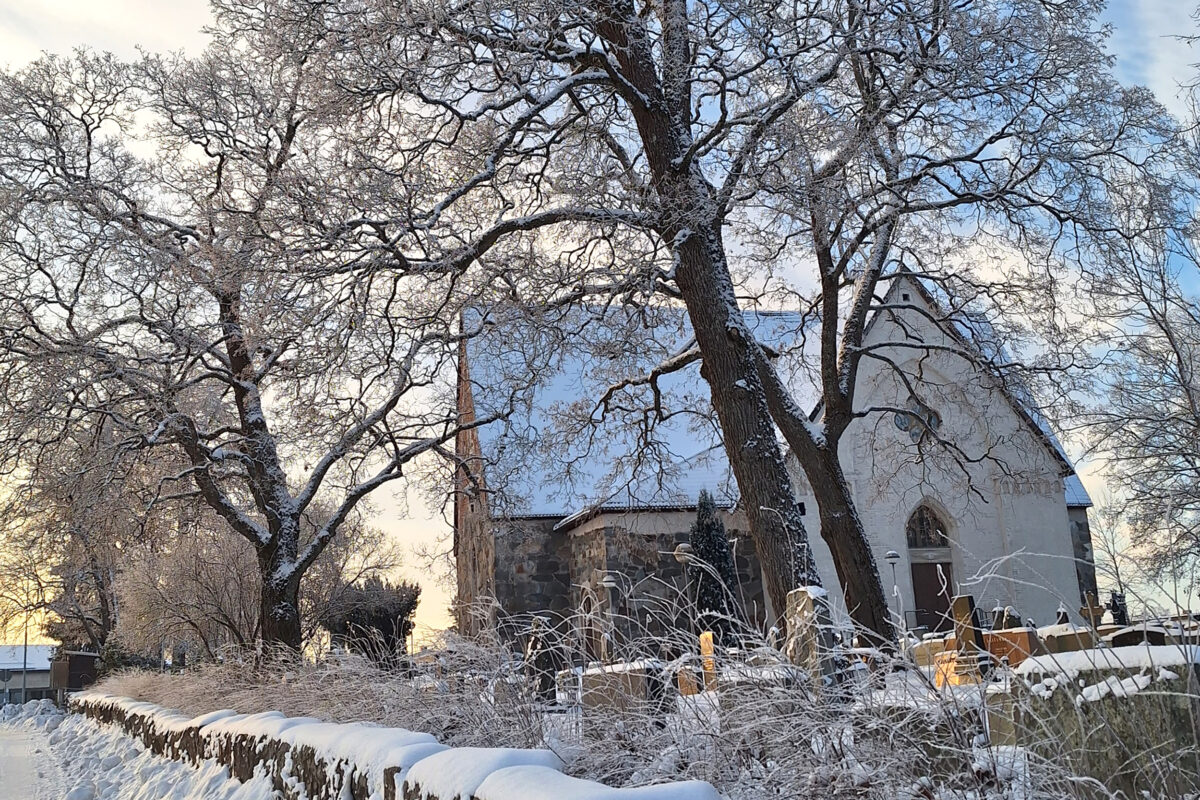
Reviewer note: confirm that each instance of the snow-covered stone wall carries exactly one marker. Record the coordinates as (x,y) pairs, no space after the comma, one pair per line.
(307,759)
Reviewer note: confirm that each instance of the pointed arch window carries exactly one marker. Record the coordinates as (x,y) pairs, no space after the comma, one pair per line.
(926,529)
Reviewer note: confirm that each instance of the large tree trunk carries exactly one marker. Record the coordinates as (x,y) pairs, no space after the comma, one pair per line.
(841,526)
(281,613)
(748,432)
(842,530)
(280,599)
(691,222)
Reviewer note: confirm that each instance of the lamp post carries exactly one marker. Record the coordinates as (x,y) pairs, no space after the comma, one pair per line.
(609,583)
(891,556)
(25,664)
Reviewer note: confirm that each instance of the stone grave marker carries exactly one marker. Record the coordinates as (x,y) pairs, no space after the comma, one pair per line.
(708,661)
(972,655)
(1120,610)
(1137,634)
(1092,612)
(810,635)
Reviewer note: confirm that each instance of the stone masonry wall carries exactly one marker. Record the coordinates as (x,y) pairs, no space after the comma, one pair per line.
(306,759)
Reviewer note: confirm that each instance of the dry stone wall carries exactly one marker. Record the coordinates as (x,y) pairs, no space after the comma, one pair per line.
(306,759)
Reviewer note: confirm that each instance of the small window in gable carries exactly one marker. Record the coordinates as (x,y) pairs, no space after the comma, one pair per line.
(905,296)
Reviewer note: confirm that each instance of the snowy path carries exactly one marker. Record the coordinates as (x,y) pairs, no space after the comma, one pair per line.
(27,770)
(46,755)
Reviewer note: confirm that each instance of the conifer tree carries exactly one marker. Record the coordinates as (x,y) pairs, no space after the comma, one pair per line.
(712,572)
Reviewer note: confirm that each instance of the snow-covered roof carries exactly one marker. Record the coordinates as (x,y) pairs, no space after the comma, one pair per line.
(1077,496)
(546,461)
(11,656)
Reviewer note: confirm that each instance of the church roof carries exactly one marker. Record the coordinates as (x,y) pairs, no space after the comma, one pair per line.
(1077,496)
(546,461)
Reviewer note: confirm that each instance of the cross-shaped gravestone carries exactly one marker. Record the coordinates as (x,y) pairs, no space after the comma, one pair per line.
(1092,611)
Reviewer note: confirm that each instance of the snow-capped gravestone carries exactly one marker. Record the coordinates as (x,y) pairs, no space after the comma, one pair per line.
(810,643)
(634,687)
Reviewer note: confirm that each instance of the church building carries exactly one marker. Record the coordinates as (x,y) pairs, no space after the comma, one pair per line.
(576,503)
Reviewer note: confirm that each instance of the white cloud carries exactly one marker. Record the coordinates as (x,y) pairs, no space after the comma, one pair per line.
(30,27)
(1146,42)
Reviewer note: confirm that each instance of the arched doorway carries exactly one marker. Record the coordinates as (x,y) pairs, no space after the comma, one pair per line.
(932,569)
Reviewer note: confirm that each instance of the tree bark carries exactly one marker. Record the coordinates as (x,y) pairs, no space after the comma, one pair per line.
(748,432)
(279,618)
(841,526)
(842,530)
(281,613)
(691,222)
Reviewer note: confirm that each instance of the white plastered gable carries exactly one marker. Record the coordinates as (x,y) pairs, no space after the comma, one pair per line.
(998,485)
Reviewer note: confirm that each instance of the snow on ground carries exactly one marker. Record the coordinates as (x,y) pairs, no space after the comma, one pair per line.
(46,755)
(543,783)
(1138,656)
(460,771)
(28,770)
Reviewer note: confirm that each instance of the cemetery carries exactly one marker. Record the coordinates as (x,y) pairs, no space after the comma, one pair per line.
(992,706)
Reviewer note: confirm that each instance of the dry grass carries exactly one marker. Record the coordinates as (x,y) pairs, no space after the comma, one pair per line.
(766,736)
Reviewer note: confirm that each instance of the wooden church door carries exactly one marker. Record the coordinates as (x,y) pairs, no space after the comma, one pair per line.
(932,570)
(931,594)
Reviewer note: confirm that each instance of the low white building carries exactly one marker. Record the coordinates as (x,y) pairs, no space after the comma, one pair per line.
(27,668)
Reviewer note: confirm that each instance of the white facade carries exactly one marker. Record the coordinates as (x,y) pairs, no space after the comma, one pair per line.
(998,490)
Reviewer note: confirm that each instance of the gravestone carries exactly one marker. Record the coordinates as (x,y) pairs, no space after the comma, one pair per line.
(687,683)
(810,640)
(1013,645)
(1120,611)
(1005,618)
(972,657)
(708,661)
(541,664)
(1137,634)
(1092,612)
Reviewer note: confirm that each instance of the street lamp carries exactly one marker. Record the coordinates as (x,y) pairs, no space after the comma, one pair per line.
(609,583)
(891,556)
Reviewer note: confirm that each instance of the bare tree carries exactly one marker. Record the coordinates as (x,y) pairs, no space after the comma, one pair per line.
(1143,418)
(198,588)
(69,524)
(187,264)
(849,137)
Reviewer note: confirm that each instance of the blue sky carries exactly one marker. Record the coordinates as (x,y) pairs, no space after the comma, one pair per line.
(1148,50)
(1144,33)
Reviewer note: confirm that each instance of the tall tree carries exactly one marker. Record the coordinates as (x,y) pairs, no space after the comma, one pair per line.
(713,572)
(848,137)
(190,254)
